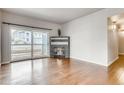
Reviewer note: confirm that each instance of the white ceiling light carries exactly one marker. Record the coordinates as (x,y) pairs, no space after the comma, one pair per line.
(114,26)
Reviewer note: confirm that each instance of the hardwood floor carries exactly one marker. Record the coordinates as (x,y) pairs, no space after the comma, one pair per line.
(61,72)
(116,71)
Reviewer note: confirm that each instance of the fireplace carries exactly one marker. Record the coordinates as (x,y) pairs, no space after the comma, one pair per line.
(60,47)
(59,52)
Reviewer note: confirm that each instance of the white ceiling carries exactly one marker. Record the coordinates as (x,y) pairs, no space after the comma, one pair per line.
(57,15)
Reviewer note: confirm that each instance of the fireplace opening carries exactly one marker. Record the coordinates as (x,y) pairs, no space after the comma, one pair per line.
(59,52)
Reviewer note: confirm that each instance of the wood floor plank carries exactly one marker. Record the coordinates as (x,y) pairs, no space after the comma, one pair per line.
(54,71)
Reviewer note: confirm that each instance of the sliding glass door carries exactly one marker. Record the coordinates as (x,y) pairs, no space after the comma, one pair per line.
(20,44)
(40,44)
(28,44)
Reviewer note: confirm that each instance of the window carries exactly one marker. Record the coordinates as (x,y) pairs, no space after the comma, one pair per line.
(28,44)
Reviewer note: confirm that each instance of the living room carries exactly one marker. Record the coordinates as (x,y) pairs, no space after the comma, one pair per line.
(74,44)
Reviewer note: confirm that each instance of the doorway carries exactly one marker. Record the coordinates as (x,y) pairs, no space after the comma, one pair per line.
(27,43)
(115,37)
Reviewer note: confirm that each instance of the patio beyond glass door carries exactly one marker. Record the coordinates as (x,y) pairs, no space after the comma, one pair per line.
(40,44)
(28,44)
(20,45)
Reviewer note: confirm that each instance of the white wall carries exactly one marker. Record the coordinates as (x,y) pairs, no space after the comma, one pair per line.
(18,19)
(121,42)
(0,34)
(89,37)
(113,42)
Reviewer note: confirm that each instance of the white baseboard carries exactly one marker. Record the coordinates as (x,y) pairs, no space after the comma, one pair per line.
(112,61)
(89,61)
(5,62)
